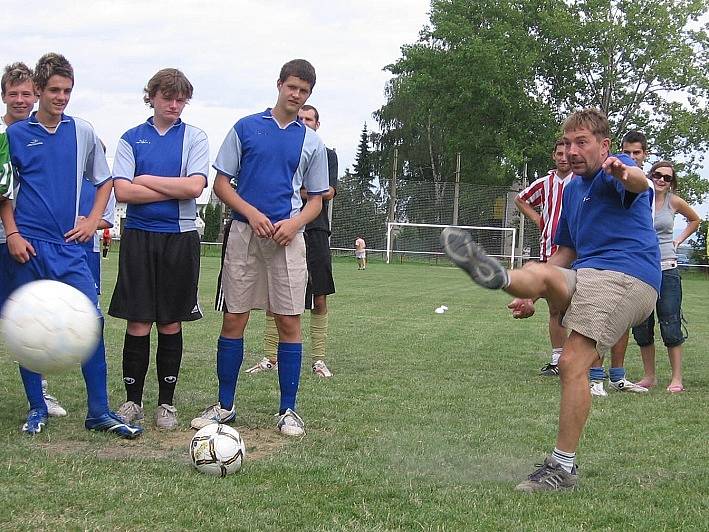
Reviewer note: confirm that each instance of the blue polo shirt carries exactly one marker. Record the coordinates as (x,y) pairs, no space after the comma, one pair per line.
(50,168)
(182,151)
(270,164)
(609,227)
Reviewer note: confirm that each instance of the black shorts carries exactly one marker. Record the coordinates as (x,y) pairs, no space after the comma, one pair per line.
(158,275)
(317,252)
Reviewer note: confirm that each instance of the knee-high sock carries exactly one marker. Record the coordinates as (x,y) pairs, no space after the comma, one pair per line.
(230,355)
(318,335)
(270,339)
(168,360)
(289,358)
(96,377)
(33,389)
(136,359)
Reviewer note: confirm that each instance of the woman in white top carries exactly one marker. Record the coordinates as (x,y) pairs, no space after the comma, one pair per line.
(669,304)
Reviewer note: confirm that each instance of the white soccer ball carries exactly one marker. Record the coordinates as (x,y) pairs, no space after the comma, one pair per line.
(50,326)
(217,450)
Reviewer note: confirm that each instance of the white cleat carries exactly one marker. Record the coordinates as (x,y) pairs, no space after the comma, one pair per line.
(624,385)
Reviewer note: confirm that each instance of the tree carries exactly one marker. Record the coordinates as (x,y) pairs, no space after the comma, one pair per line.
(493,80)
(700,252)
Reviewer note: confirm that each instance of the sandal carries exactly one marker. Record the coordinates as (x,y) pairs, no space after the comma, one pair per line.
(675,388)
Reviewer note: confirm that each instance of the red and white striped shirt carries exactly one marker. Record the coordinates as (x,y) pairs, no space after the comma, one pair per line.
(546,193)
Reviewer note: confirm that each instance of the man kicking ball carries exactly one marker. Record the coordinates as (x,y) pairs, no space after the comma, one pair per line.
(606,236)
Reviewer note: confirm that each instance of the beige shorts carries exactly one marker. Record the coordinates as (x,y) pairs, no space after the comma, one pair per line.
(360,254)
(605,304)
(258,273)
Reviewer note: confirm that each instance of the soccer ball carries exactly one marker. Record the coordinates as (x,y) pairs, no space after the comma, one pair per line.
(217,450)
(49,326)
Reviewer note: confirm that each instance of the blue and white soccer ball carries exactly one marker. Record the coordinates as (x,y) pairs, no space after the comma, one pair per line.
(217,450)
(49,326)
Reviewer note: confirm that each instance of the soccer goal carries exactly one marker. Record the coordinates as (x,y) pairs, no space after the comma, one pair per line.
(424,239)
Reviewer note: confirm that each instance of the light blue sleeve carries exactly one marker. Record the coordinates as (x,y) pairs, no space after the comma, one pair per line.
(109,215)
(316,175)
(228,161)
(124,161)
(99,170)
(197,154)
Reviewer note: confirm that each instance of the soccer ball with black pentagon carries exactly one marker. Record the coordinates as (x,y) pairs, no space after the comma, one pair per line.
(49,326)
(217,450)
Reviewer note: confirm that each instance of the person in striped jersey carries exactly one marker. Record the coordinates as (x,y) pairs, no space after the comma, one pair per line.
(546,195)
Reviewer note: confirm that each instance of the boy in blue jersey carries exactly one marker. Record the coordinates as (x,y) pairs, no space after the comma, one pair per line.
(270,156)
(19,97)
(51,153)
(160,168)
(606,236)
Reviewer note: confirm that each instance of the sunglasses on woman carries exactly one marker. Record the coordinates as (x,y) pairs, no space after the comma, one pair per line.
(666,178)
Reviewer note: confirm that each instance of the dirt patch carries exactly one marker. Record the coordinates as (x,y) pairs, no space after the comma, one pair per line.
(161,445)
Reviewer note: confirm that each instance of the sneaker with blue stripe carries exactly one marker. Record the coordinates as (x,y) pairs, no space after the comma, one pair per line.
(36,420)
(110,422)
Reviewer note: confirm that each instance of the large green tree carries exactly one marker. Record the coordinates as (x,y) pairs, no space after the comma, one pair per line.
(494,78)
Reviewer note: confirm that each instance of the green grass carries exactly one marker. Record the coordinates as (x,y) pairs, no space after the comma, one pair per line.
(428,423)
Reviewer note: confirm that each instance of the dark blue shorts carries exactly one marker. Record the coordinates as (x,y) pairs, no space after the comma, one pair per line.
(669,314)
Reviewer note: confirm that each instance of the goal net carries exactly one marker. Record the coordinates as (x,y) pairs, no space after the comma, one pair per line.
(416,239)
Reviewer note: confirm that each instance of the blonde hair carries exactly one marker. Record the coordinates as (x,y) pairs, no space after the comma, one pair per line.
(592,119)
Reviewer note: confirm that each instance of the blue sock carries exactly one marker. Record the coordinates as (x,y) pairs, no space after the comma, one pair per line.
(230,354)
(617,374)
(33,389)
(95,377)
(596,374)
(289,358)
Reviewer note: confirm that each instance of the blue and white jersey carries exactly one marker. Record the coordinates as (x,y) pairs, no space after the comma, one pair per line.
(270,164)
(182,151)
(86,203)
(50,169)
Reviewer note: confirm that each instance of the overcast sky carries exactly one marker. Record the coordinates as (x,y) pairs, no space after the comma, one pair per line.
(231,51)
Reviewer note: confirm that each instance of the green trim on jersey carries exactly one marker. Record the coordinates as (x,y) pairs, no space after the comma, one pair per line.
(6,181)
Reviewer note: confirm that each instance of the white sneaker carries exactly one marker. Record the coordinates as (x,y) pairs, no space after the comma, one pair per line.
(291,424)
(213,414)
(320,369)
(624,385)
(166,417)
(54,409)
(264,365)
(131,413)
(597,389)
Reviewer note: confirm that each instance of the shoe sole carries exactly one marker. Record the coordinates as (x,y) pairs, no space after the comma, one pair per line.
(197,424)
(469,256)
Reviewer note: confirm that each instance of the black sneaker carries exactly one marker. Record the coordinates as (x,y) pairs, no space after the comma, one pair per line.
(549,477)
(466,254)
(550,370)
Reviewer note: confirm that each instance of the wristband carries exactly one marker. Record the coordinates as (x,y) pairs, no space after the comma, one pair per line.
(13,233)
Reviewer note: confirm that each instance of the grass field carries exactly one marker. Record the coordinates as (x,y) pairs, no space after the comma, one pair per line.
(428,423)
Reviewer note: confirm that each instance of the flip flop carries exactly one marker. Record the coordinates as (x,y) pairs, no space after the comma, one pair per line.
(675,388)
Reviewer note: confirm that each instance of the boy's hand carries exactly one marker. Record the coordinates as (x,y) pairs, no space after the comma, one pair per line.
(260,224)
(521,308)
(285,230)
(19,248)
(83,231)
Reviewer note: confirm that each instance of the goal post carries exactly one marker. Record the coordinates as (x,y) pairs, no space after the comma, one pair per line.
(424,239)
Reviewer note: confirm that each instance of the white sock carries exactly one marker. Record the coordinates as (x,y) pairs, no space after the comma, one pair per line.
(566,460)
(556,355)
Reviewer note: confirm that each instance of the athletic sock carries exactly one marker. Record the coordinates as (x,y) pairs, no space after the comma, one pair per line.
(566,460)
(556,355)
(168,360)
(95,374)
(616,374)
(33,389)
(136,359)
(270,339)
(230,355)
(596,374)
(318,335)
(289,358)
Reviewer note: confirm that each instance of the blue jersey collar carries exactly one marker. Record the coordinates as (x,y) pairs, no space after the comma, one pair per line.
(269,116)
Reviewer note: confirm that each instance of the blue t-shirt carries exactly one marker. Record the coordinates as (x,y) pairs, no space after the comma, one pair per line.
(270,164)
(182,151)
(609,227)
(50,168)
